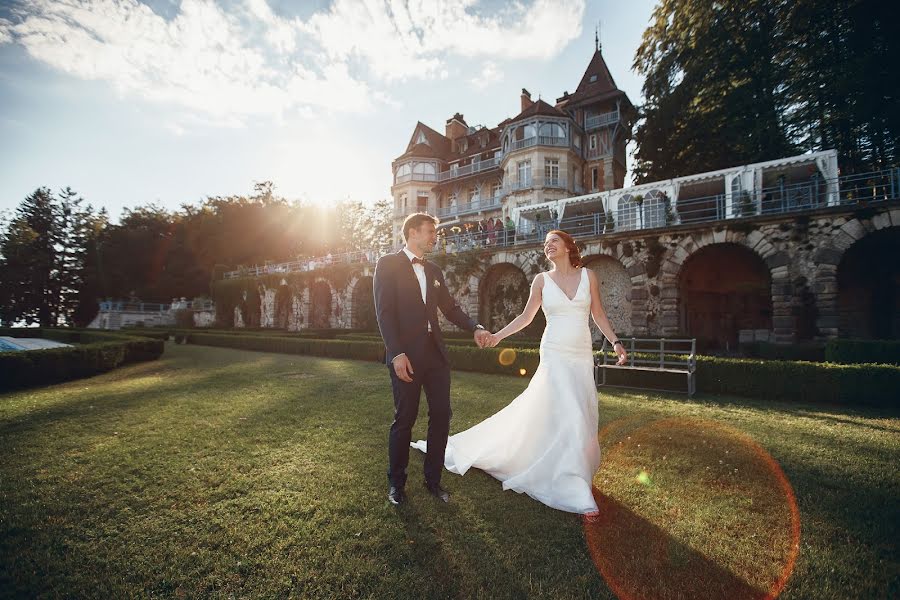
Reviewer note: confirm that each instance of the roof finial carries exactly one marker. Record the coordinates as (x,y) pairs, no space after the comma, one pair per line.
(596,37)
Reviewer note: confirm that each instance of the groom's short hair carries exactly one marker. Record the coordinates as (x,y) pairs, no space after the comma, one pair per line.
(415,220)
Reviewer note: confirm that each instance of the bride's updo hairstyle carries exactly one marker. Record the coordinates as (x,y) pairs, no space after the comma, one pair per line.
(574,252)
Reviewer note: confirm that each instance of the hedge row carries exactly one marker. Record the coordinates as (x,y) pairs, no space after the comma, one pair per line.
(771,380)
(94,353)
(863,351)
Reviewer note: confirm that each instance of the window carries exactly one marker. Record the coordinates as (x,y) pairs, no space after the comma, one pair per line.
(578,141)
(593,142)
(403,170)
(463,146)
(473,195)
(529,131)
(401,204)
(524,169)
(594,181)
(420,139)
(593,78)
(553,130)
(551,171)
(506,144)
(627,217)
(496,191)
(422,202)
(654,209)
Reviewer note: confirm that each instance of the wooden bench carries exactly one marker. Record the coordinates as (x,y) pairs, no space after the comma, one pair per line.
(665,356)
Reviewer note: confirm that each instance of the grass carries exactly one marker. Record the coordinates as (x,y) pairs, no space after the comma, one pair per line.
(221,473)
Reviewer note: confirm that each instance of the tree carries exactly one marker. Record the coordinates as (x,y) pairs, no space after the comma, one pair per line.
(712,87)
(30,260)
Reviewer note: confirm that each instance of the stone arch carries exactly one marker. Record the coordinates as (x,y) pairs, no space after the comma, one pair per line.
(615,293)
(321,300)
(283,305)
(723,288)
(362,304)
(868,286)
(502,294)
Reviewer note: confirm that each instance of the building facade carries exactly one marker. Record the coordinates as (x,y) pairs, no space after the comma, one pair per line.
(474,174)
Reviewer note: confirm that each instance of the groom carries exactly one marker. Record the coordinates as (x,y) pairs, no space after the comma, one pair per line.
(408,292)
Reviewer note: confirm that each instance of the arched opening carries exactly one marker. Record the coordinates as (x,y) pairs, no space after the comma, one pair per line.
(615,294)
(724,288)
(362,309)
(868,278)
(283,296)
(319,305)
(503,292)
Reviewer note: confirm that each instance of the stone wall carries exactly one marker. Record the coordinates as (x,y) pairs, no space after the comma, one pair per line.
(641,276)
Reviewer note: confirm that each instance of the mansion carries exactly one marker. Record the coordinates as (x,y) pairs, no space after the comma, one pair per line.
(544,154)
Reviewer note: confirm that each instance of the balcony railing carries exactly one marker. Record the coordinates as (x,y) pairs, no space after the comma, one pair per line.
(541,182)
(472,169)
(862,189)
(475,206)
(602,120)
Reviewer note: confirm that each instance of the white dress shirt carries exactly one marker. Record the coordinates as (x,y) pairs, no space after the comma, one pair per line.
(419,270)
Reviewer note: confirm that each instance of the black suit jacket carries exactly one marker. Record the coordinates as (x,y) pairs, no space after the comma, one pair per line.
(402,317)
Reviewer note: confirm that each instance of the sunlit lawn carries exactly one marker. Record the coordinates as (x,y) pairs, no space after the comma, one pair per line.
(215,472)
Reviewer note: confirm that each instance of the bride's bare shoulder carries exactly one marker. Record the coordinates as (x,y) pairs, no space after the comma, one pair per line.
(539,279)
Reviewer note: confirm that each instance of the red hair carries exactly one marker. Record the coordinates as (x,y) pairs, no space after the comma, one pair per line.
(569,241)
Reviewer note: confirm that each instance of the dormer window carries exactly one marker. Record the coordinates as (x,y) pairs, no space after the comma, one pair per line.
(420,139)
(463,146)
(593,78)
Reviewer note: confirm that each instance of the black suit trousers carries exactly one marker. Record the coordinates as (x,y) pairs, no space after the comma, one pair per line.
(432,375)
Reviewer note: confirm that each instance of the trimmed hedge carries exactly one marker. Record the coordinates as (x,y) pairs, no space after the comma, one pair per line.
(863,351)
(876,385)
(96,352)
(359,350)
(810,351)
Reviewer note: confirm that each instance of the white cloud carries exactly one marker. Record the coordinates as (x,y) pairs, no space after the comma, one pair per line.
(489,75)
(235,64)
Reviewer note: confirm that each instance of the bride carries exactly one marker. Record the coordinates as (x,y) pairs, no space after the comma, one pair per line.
(544,443)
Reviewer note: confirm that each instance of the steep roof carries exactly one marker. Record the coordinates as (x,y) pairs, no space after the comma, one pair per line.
(596,84)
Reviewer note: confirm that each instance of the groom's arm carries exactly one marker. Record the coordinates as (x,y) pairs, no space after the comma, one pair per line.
(385,294)
(451,309)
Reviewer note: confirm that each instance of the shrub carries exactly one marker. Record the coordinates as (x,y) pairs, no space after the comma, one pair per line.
(95,352)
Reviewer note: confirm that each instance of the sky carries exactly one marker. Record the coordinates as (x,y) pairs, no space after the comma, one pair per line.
(169,102)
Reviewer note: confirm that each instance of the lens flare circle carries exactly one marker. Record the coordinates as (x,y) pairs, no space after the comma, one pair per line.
(718,512)
(507,357)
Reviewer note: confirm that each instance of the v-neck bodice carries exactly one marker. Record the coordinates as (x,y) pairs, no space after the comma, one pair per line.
(567,318)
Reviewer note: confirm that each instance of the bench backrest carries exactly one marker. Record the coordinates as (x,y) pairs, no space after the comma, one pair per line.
(660,353)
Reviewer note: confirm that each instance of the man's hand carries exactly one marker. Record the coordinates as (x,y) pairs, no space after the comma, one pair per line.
(403,368)
(482,336)
(493,340)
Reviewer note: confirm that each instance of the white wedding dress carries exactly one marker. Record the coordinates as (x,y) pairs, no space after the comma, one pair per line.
(544,443)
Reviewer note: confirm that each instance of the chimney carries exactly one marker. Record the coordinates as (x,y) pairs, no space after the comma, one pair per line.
(456,127)
(526,99)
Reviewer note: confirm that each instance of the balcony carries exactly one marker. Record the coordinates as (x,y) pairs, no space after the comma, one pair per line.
(604,120)
(561,183)
(475,206)
(429,177)
(472,169)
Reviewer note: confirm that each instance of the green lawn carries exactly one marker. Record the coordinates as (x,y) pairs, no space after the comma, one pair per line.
(221,473)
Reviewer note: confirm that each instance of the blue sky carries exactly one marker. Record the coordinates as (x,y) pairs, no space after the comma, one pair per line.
(170,102)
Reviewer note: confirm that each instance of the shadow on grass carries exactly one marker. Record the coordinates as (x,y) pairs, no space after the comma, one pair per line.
(639,560)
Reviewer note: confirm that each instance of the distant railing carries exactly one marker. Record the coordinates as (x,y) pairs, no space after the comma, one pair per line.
(860,189)
(310,264)
(143,307)
(415,177)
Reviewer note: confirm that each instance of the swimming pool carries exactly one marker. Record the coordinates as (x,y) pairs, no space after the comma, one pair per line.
(7,345)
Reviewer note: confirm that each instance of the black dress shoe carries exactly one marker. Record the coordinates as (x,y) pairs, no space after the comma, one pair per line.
(437,491)
(396,495)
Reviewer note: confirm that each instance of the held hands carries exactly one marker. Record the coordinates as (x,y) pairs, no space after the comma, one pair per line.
(620,352)
(482,337)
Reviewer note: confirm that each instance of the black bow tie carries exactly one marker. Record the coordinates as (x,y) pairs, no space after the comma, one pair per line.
(416,259)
